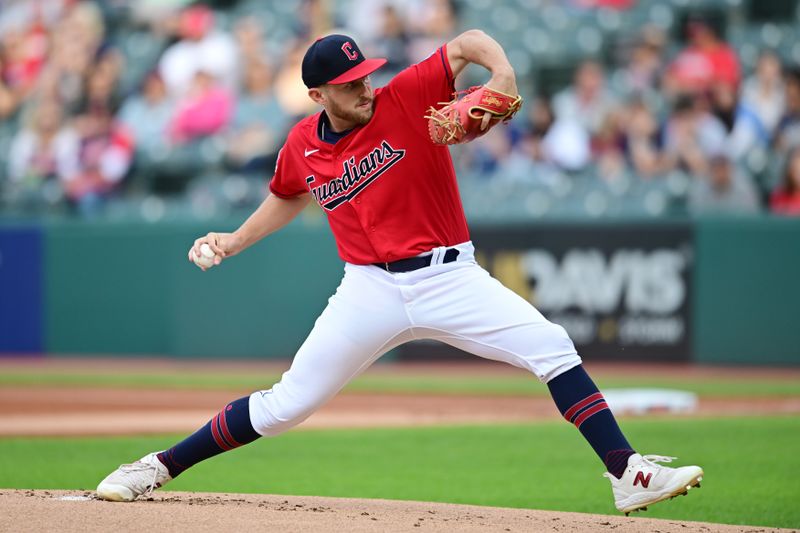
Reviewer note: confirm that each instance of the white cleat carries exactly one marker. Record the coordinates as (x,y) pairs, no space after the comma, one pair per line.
(644,482)
(128,482)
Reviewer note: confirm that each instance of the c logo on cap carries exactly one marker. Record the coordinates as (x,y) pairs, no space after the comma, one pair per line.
(351,54)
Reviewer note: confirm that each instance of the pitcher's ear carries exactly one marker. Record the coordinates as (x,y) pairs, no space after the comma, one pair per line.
(317,94)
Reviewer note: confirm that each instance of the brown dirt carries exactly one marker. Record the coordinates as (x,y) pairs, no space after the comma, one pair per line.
(181,511)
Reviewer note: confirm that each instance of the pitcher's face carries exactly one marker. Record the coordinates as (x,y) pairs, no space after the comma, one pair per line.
(348,103)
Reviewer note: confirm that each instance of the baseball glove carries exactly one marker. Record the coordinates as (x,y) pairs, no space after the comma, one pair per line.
(460,119)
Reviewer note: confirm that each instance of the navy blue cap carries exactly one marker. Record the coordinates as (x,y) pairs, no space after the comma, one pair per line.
(336,59)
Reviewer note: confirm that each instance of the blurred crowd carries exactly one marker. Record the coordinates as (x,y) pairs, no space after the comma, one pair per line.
(210,98)
(652,115)
(114,99)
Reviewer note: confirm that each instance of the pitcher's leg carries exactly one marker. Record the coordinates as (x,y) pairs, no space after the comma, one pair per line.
(228,429)
(363,320)
(329,358)
(582,404)
(334,353)
(494,322)
(469,309)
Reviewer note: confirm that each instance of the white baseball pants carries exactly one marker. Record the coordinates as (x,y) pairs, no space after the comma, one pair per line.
(373,311)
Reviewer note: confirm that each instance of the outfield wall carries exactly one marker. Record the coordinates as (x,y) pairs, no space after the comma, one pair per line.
(747,302)
(714,291)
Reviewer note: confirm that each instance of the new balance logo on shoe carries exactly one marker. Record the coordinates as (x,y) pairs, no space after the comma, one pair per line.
(643,480)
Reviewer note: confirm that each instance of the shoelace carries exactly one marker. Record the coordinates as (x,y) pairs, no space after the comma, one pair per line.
(139,466)
(658,458)
(648,459)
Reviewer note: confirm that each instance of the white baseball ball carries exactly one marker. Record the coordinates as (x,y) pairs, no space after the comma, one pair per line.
(206,258)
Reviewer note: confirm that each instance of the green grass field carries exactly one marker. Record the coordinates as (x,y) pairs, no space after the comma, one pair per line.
(521,384)
(751,466)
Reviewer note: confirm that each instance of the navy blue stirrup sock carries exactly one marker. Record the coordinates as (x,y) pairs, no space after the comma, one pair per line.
(229,429)
(582,404)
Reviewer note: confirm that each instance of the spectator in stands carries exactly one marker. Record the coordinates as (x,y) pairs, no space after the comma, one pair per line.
(744,130)
(787,135)
(425,24)
(535,123)
(587,102)
(289,89)
(147,114)
(725,190)
(392,43)
(249,37)
(706,62)
(518,156)
(552,145)
(641,74)
(540,117)
(24,61)
(430,23)
(24,50)
(641,140)
(608,146)
(526,163)
(106,154)
(362,20)
(205,110)
(44,150)
(312,19)
(764,92)
(259,122)
(691,136)
(487,154)
(200,47)
(9,100)
(567,145)
(75,41)
(24,13)
(785,200)
(100,88)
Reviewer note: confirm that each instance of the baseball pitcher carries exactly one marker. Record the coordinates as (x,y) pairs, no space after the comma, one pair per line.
(377,162)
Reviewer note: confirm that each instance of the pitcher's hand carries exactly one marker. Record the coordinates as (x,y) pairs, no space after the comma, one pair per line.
(223,245)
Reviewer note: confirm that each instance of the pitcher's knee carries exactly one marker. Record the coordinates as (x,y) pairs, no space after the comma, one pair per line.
(555,352)
(272,412)
(553,338)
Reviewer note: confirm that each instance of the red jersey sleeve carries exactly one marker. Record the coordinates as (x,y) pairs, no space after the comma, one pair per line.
(286,183)
(423,85)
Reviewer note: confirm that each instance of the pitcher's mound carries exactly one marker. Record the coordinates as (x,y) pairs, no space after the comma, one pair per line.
(56,510)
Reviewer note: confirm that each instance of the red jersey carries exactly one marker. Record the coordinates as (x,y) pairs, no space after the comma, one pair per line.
(699,69)
(388,191)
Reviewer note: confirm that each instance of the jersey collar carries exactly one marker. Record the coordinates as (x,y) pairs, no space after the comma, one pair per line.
(324,132)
